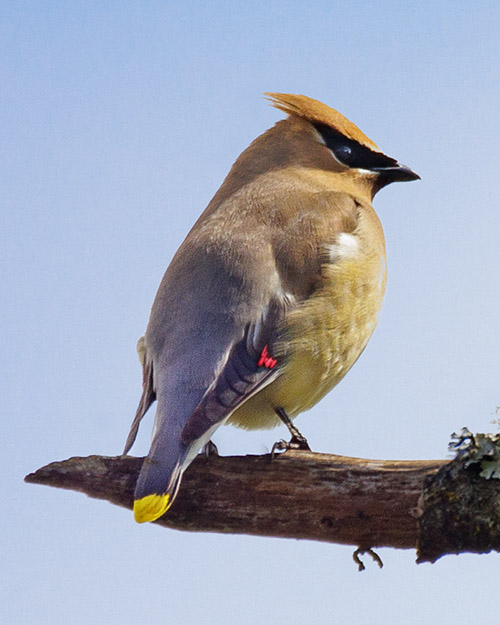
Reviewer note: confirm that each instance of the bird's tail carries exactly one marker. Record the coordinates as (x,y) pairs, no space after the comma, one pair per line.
(160,476)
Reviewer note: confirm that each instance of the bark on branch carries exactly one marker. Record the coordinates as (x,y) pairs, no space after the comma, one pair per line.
(366,503)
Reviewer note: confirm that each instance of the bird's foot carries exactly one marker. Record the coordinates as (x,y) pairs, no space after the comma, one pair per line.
(210,449)
(297,443)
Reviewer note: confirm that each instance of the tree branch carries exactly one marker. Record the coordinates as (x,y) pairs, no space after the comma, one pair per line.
(366,503)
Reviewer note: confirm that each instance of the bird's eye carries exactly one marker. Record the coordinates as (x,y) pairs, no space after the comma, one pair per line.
(343,153)
(351,153)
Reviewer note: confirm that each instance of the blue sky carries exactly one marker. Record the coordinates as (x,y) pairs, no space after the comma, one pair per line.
(118,122)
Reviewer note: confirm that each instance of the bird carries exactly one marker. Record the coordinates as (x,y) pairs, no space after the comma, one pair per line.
(272,296)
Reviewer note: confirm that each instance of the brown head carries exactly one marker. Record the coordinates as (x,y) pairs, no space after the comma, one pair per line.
(352,151)
(319,139)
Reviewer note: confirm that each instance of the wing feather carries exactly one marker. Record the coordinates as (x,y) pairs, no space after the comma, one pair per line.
(243,374)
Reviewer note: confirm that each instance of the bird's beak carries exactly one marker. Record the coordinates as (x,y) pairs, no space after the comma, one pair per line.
(397,173)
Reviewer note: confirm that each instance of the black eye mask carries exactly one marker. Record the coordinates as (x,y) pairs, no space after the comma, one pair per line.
(353,154)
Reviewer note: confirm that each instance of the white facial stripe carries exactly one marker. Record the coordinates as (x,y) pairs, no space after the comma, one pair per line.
(319,136)
(346,247)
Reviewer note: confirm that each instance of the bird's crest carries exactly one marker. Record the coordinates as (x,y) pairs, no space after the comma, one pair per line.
(316,111)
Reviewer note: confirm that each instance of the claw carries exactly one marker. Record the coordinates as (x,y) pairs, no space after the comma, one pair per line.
(298,443)
(210,449)
(278,446)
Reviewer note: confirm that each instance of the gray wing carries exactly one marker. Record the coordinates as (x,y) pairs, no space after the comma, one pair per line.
(204,348)
(249,367)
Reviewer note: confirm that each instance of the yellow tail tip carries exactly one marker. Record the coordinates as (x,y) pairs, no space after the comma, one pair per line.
(151,507)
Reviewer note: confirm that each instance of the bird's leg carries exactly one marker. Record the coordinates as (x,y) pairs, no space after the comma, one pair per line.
(298,441)
(210,449)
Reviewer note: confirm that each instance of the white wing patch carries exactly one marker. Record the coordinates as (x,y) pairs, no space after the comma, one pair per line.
(346,247)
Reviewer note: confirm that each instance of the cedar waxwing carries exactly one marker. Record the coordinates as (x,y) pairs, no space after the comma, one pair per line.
(273,295)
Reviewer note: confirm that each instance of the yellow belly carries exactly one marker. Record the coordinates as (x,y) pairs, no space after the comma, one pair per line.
(323,338)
